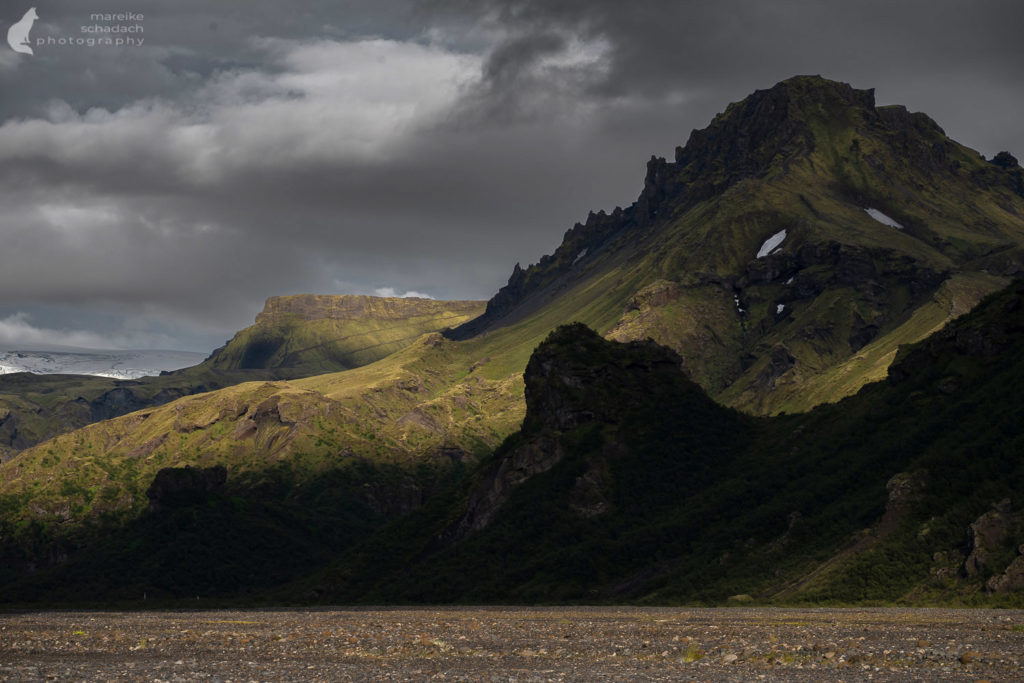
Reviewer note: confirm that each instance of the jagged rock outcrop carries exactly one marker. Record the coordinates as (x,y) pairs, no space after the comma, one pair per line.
(579,244)
(1012,579)
(985,535)
(744,140)
(495,487)
(816,162)
(575,378)
(1005,160)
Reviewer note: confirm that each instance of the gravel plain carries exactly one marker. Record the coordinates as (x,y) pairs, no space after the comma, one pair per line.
(515,644)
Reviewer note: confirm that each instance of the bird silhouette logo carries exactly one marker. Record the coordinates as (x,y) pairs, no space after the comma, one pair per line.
(17,35)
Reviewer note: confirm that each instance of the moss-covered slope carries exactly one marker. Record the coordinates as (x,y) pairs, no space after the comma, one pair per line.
(294,336)
(802,162)
(311,334)
(627,483)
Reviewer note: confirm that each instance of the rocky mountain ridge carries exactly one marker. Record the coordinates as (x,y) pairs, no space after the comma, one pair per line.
(817,166)
(764,134)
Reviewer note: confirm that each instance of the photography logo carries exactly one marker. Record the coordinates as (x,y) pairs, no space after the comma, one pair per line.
(17,35)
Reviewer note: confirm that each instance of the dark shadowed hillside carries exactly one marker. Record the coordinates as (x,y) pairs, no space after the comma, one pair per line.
(627,483)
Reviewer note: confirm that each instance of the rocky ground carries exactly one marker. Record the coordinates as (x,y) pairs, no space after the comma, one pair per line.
(515,644)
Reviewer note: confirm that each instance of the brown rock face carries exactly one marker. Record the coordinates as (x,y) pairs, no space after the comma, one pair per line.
(985,535)
(1012,579)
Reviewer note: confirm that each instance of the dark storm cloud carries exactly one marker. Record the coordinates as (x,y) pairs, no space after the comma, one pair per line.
(186,42)
(254,148)
(659,44)
(506,63)
(959,61)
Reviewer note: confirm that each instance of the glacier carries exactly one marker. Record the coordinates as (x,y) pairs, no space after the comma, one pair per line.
(116,364)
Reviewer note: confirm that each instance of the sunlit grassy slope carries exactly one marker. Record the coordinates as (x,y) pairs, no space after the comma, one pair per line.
(294,336)
(309,334)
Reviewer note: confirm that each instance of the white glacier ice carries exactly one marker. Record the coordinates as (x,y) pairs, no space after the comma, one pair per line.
(115,364)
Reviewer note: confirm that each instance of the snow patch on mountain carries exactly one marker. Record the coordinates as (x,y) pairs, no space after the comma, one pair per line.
(883,219)
(770,243)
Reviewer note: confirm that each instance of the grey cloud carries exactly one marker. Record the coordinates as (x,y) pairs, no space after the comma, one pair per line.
(507,62)
(254,148)
(123,206)
(720,50)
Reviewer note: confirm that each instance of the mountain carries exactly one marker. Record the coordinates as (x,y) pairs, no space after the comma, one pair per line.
(312,334)
(785,255)
(294,336)
(627,483)
(789,248)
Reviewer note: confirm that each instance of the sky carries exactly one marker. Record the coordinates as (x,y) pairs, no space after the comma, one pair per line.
(154,193)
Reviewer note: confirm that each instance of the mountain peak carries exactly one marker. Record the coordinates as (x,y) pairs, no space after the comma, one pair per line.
(800,98)
(745,141)
(767,126)
(820,88)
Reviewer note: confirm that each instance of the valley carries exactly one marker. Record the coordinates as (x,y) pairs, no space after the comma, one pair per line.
(502,644)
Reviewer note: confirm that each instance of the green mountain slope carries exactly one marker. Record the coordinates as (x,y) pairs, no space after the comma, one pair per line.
(310,334)
(627,483)
(803,162)
(294,336)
